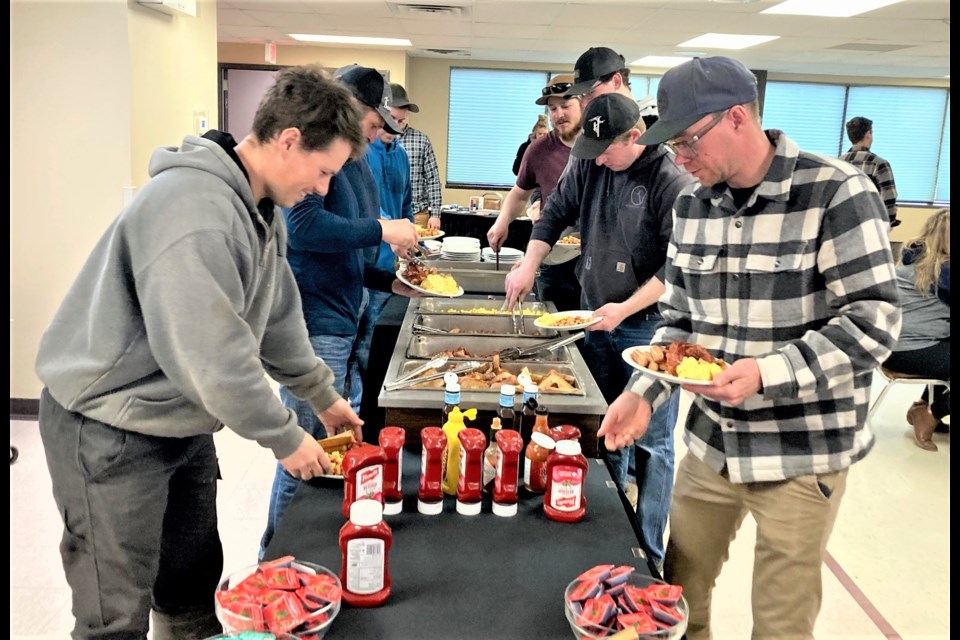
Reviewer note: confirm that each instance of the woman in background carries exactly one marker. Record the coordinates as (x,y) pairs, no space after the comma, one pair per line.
(923,278)
(539,129)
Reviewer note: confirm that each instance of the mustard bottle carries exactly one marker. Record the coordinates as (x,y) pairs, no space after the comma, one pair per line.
(452,427)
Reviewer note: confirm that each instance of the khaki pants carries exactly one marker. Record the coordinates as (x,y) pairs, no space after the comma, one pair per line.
(794,520)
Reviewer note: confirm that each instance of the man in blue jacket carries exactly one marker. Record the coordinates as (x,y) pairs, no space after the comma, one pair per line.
(332,246)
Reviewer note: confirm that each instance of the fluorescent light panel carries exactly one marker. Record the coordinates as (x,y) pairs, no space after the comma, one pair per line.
(659,62)
(726,41)
(828,8)
(389,42)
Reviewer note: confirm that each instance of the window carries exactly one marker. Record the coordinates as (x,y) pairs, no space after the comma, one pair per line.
(642,86)
(911,128)
(492,112)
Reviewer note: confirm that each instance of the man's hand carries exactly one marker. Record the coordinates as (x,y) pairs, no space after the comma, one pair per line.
(308,461)
(612,313)
(402,289)
(734,384)
(401,235)
(497,235)
(533,212)
(519,282)
(433,222)
(339,417)
(626,421)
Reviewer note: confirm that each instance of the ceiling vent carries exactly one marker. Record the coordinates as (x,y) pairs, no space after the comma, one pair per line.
(428,10)
(449,52)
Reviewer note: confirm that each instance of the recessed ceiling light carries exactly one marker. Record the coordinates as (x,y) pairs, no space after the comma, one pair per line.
(726,41)
(387,42)
(828,8)
(661,62)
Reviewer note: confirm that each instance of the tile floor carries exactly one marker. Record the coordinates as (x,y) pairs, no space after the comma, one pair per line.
(887,574)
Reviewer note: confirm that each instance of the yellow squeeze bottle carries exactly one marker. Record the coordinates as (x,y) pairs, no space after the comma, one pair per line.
(452,427)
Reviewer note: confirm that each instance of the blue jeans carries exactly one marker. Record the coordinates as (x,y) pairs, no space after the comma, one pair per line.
(335,351)
(602,353)
(357,370)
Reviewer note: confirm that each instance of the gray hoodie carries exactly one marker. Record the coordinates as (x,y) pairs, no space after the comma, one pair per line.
(183,305)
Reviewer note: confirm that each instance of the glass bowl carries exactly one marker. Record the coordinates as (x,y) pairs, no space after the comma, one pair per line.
(634,579)
(314,627)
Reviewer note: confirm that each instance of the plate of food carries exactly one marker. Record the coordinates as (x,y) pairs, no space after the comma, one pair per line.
(677,363)
(566,249)
(567,320)
(429,281)
(336,447)
(426,232)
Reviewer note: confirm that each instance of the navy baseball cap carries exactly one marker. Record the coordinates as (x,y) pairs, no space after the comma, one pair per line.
(606,118)
(369,87)
(697,88)
(595,63)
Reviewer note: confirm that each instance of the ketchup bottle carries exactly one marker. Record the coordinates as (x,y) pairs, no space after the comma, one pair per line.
(430,497)
(391,441)
(566,472)
(535,463)
(470,481)
(509,445)
(362,475)
(365,549)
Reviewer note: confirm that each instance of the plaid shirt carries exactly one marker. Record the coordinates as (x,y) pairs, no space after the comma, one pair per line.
(879,171)
(801,278)
(424,175)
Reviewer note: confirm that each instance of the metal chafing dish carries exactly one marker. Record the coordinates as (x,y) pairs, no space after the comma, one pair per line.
(540,369)
(457,306)
(480,347)
(484,325)
(474,277)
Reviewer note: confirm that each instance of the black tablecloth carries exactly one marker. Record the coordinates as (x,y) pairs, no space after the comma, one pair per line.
(455,223)
(465,577)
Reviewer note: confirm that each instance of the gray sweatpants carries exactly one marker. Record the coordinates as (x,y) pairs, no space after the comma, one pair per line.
(139,527)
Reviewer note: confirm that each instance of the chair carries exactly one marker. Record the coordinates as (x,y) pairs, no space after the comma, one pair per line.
(894,377)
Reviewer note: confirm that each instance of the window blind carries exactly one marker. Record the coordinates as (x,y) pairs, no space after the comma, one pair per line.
(810,114)
(943,171)
(492,112)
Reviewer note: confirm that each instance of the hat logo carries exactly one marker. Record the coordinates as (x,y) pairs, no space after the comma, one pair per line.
(597,121)
(386,101)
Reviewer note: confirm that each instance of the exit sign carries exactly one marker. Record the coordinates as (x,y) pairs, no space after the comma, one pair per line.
(270,52)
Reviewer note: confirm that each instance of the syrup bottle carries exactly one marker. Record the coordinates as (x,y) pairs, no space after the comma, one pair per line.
(490,457)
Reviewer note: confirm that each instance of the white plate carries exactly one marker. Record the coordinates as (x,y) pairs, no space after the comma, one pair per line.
(436,236)
(659,375)
(561,253)
(565,314)
(425,291)
(327,477)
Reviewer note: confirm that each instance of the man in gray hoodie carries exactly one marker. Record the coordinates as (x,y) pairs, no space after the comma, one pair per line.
(186,302)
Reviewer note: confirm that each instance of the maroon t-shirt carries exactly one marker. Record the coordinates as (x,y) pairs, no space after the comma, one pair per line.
(542,164)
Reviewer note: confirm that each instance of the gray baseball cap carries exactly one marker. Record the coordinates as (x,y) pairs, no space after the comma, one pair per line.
(401,99)
(698,88)
(607,117)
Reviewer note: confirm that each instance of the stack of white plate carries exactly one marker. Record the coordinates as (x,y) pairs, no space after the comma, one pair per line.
(460,248)
(507,255)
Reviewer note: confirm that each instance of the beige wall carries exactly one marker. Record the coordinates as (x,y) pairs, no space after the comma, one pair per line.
(392,60)
(94,87)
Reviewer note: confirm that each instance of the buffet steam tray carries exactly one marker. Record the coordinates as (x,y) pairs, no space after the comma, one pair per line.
(540,369)
(478,347)
(489,307)
(501,326)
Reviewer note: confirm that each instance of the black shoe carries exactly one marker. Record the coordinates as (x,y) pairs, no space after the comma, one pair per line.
(942,427)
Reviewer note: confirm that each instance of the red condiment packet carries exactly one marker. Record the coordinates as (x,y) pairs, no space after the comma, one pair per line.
(284,614)
(267,596)
(245,617)
(598,573)
(282,578)
(322,593)
(643,622)
(285,561)
(254,583)
(236,595)
(589,588)
(668,594)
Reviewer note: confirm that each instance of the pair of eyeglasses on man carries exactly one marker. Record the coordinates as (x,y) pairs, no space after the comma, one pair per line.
(555,89)
(687,148)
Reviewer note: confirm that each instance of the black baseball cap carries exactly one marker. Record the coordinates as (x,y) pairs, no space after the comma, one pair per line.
(695,89)
(606,117)
(371,89)
(595,63)
(400,98)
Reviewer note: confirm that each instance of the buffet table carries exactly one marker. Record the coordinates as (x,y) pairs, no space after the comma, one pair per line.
(475,224)
(467,577)
(415,408)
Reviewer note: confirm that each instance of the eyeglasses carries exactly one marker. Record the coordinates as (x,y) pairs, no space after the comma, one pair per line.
(554,89)
(589,94)
(687,148)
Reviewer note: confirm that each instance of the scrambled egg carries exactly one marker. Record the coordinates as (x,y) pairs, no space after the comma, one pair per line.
(695,369)
(440,283)
(493,312)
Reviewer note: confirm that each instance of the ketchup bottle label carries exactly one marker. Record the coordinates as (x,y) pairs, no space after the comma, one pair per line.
(365,565)
(566,488)
(370,483)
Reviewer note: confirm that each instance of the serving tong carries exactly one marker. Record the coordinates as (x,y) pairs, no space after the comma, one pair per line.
(409,378)
(518,353)
(517,308)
